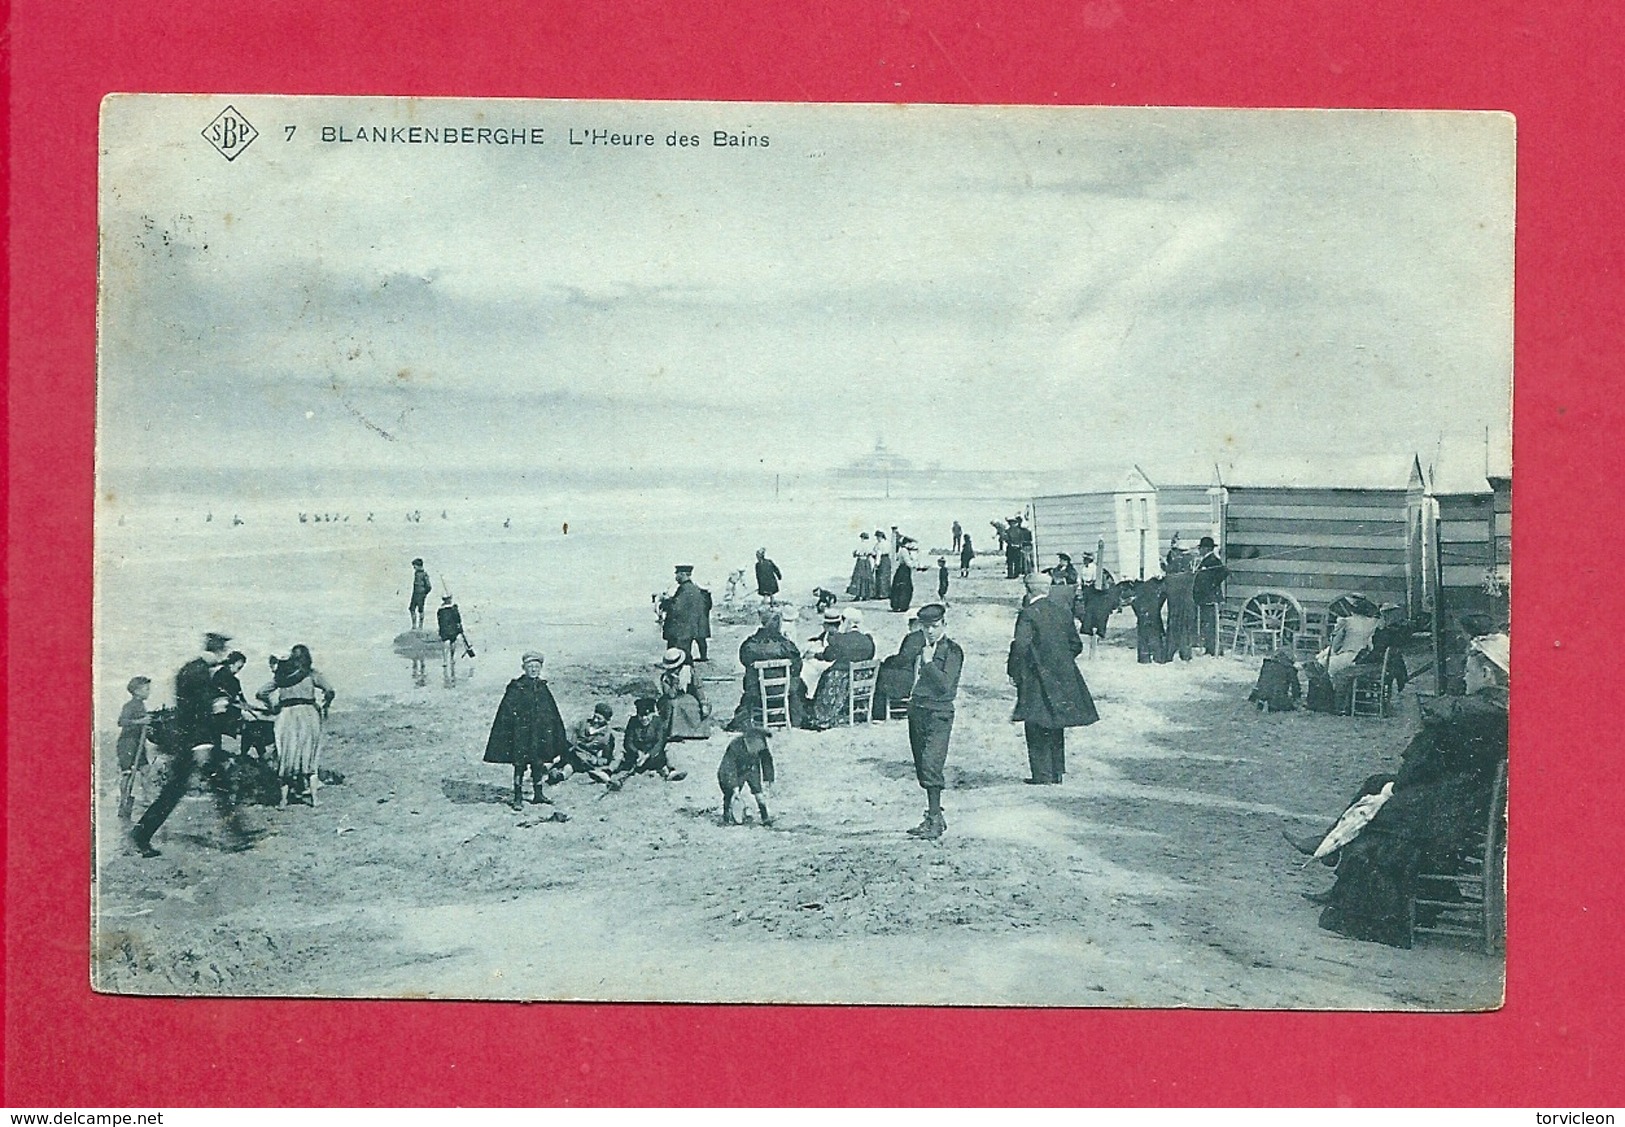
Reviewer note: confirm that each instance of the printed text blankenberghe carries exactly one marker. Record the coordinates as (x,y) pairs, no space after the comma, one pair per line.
(531,135)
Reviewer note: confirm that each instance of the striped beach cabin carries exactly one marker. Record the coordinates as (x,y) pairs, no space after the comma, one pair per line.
(1316,530)
(1461,528)
(1133,514)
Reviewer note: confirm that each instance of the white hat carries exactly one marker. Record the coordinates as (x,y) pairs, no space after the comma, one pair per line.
(673,658)
(853,616)
(1495,649)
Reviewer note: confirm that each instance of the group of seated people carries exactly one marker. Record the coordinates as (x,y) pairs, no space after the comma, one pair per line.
(1429,816)
(826,663)
(1359,643)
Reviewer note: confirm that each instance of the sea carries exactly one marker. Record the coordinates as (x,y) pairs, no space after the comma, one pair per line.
(568,568)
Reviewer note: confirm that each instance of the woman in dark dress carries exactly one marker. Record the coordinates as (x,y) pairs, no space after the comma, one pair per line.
(902,580)
(841,648)
(1440,796)
(1181,590)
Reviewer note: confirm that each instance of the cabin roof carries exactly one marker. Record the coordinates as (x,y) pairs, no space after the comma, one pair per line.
(1365,472)
(1119,480)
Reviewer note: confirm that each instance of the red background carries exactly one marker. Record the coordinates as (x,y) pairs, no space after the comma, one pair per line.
(1556,65)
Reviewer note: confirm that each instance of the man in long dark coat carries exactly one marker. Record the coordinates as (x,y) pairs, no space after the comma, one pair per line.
(528,731)
(1208,591)
(688,614)
(1051,695)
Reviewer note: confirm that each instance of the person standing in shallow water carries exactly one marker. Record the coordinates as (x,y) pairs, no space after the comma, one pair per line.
(528,731)
(420,593)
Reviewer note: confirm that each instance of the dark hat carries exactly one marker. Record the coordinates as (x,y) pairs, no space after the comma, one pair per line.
(418,562)
(603,709)
(446,598)
(645,704)
(1206,542)
(215,643)
(932,613)
(136,683)
(1015,520)
(681,568)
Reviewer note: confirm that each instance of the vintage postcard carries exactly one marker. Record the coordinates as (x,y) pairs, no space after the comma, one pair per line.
(940,555)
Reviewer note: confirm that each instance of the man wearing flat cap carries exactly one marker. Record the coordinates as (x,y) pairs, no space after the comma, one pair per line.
(198,707)
(936,661)
(528,730)
(1051,695)
(688,614)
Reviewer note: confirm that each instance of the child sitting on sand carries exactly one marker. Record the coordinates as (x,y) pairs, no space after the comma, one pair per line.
(592,746)
(644,745)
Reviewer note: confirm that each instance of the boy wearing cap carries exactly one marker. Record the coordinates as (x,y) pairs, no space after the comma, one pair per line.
(528,730)
(420,593)
(132,742)
(643,748)
(936,661)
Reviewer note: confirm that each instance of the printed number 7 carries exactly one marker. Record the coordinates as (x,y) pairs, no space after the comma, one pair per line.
(290,129)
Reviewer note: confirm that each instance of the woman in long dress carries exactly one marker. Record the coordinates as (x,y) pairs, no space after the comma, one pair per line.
(902,580)
(863,571)
(1181,587)
(882,565)
(830,701)
(291,697)
(682,701)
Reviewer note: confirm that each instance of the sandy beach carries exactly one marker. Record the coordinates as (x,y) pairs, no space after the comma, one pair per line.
(1155,876)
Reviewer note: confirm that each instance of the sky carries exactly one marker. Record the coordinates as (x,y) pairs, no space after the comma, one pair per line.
(1032,289)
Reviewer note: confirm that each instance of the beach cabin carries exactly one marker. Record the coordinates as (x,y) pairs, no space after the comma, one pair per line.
(1461,529)
(1306,532)
(1120,508)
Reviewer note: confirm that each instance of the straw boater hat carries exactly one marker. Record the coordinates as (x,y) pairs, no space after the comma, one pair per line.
(674,657)
(831,616)
(1495,649)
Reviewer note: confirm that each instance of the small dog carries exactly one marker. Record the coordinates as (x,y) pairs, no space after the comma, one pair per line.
(825,598)
(747,763)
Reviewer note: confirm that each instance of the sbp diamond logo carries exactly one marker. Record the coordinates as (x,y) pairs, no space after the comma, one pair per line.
(230,133)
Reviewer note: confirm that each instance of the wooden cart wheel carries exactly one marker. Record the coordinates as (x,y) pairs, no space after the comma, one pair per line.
(1272,610)
(1495,903)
